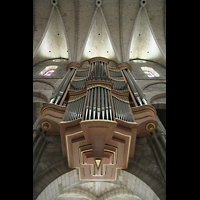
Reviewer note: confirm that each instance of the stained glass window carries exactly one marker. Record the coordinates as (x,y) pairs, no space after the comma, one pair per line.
(47,71)
(150,72)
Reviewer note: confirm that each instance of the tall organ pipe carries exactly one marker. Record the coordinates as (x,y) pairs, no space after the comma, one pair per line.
(130,82)
(64,86)
(106,104)
(87,104)
(90,106)
(59,87)
(98,104)
(94,104)
(102,103)
(109,105)
(75,109)
(137,87)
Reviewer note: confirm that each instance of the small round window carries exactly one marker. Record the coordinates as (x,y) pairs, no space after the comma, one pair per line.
(47,71)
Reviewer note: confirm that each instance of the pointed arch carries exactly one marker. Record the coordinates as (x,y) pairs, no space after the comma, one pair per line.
(127,184)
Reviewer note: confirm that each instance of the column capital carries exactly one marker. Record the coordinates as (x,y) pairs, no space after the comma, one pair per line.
(73,64)
(124,65)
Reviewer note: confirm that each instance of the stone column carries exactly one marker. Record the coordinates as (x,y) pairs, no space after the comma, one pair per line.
(163,154)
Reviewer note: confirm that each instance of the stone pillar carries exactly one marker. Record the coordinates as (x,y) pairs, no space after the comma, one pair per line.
(163,154)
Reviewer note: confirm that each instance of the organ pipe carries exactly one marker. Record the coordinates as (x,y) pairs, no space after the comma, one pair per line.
(63,86)
(98,101)
(98,98)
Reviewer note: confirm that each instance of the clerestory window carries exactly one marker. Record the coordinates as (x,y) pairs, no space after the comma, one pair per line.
(150,72)
(47,71)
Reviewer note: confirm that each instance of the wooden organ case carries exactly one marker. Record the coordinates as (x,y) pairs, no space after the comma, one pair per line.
(98,111)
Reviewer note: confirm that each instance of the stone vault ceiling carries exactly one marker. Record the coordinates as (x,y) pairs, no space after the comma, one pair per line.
(119,30)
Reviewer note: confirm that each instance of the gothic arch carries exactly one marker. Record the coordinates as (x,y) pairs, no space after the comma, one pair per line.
(126,184)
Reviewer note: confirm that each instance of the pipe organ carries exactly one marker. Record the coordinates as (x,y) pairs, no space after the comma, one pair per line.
(98,111)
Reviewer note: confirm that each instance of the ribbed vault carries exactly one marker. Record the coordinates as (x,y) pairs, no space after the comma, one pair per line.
(128,29)
(99,42)
(53,42)
(144,44)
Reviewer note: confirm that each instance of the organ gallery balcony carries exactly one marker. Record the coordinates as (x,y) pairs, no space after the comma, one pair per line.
(99,112)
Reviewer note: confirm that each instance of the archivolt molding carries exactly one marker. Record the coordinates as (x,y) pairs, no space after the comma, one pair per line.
(79,193)
(45,82)
(154,83)
(121,192)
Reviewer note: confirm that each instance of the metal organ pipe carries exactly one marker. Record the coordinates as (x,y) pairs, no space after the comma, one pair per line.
(102,103)
(75,109)
(87,105)
(137,87)
(130,82)
(98,71)
(64,86)
(122,110)
(59,87)
(109,105)
(90,106)
(94,104)
(106,103)
(98,104)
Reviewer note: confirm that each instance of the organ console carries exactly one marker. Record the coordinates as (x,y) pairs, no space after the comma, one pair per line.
(98,111)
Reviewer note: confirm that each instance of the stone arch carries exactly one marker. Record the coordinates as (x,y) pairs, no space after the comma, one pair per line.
(39,97)
(122,192)
(154,83)
(157,104)
(127,185)
(154,91)
(43,85)
(79,193)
